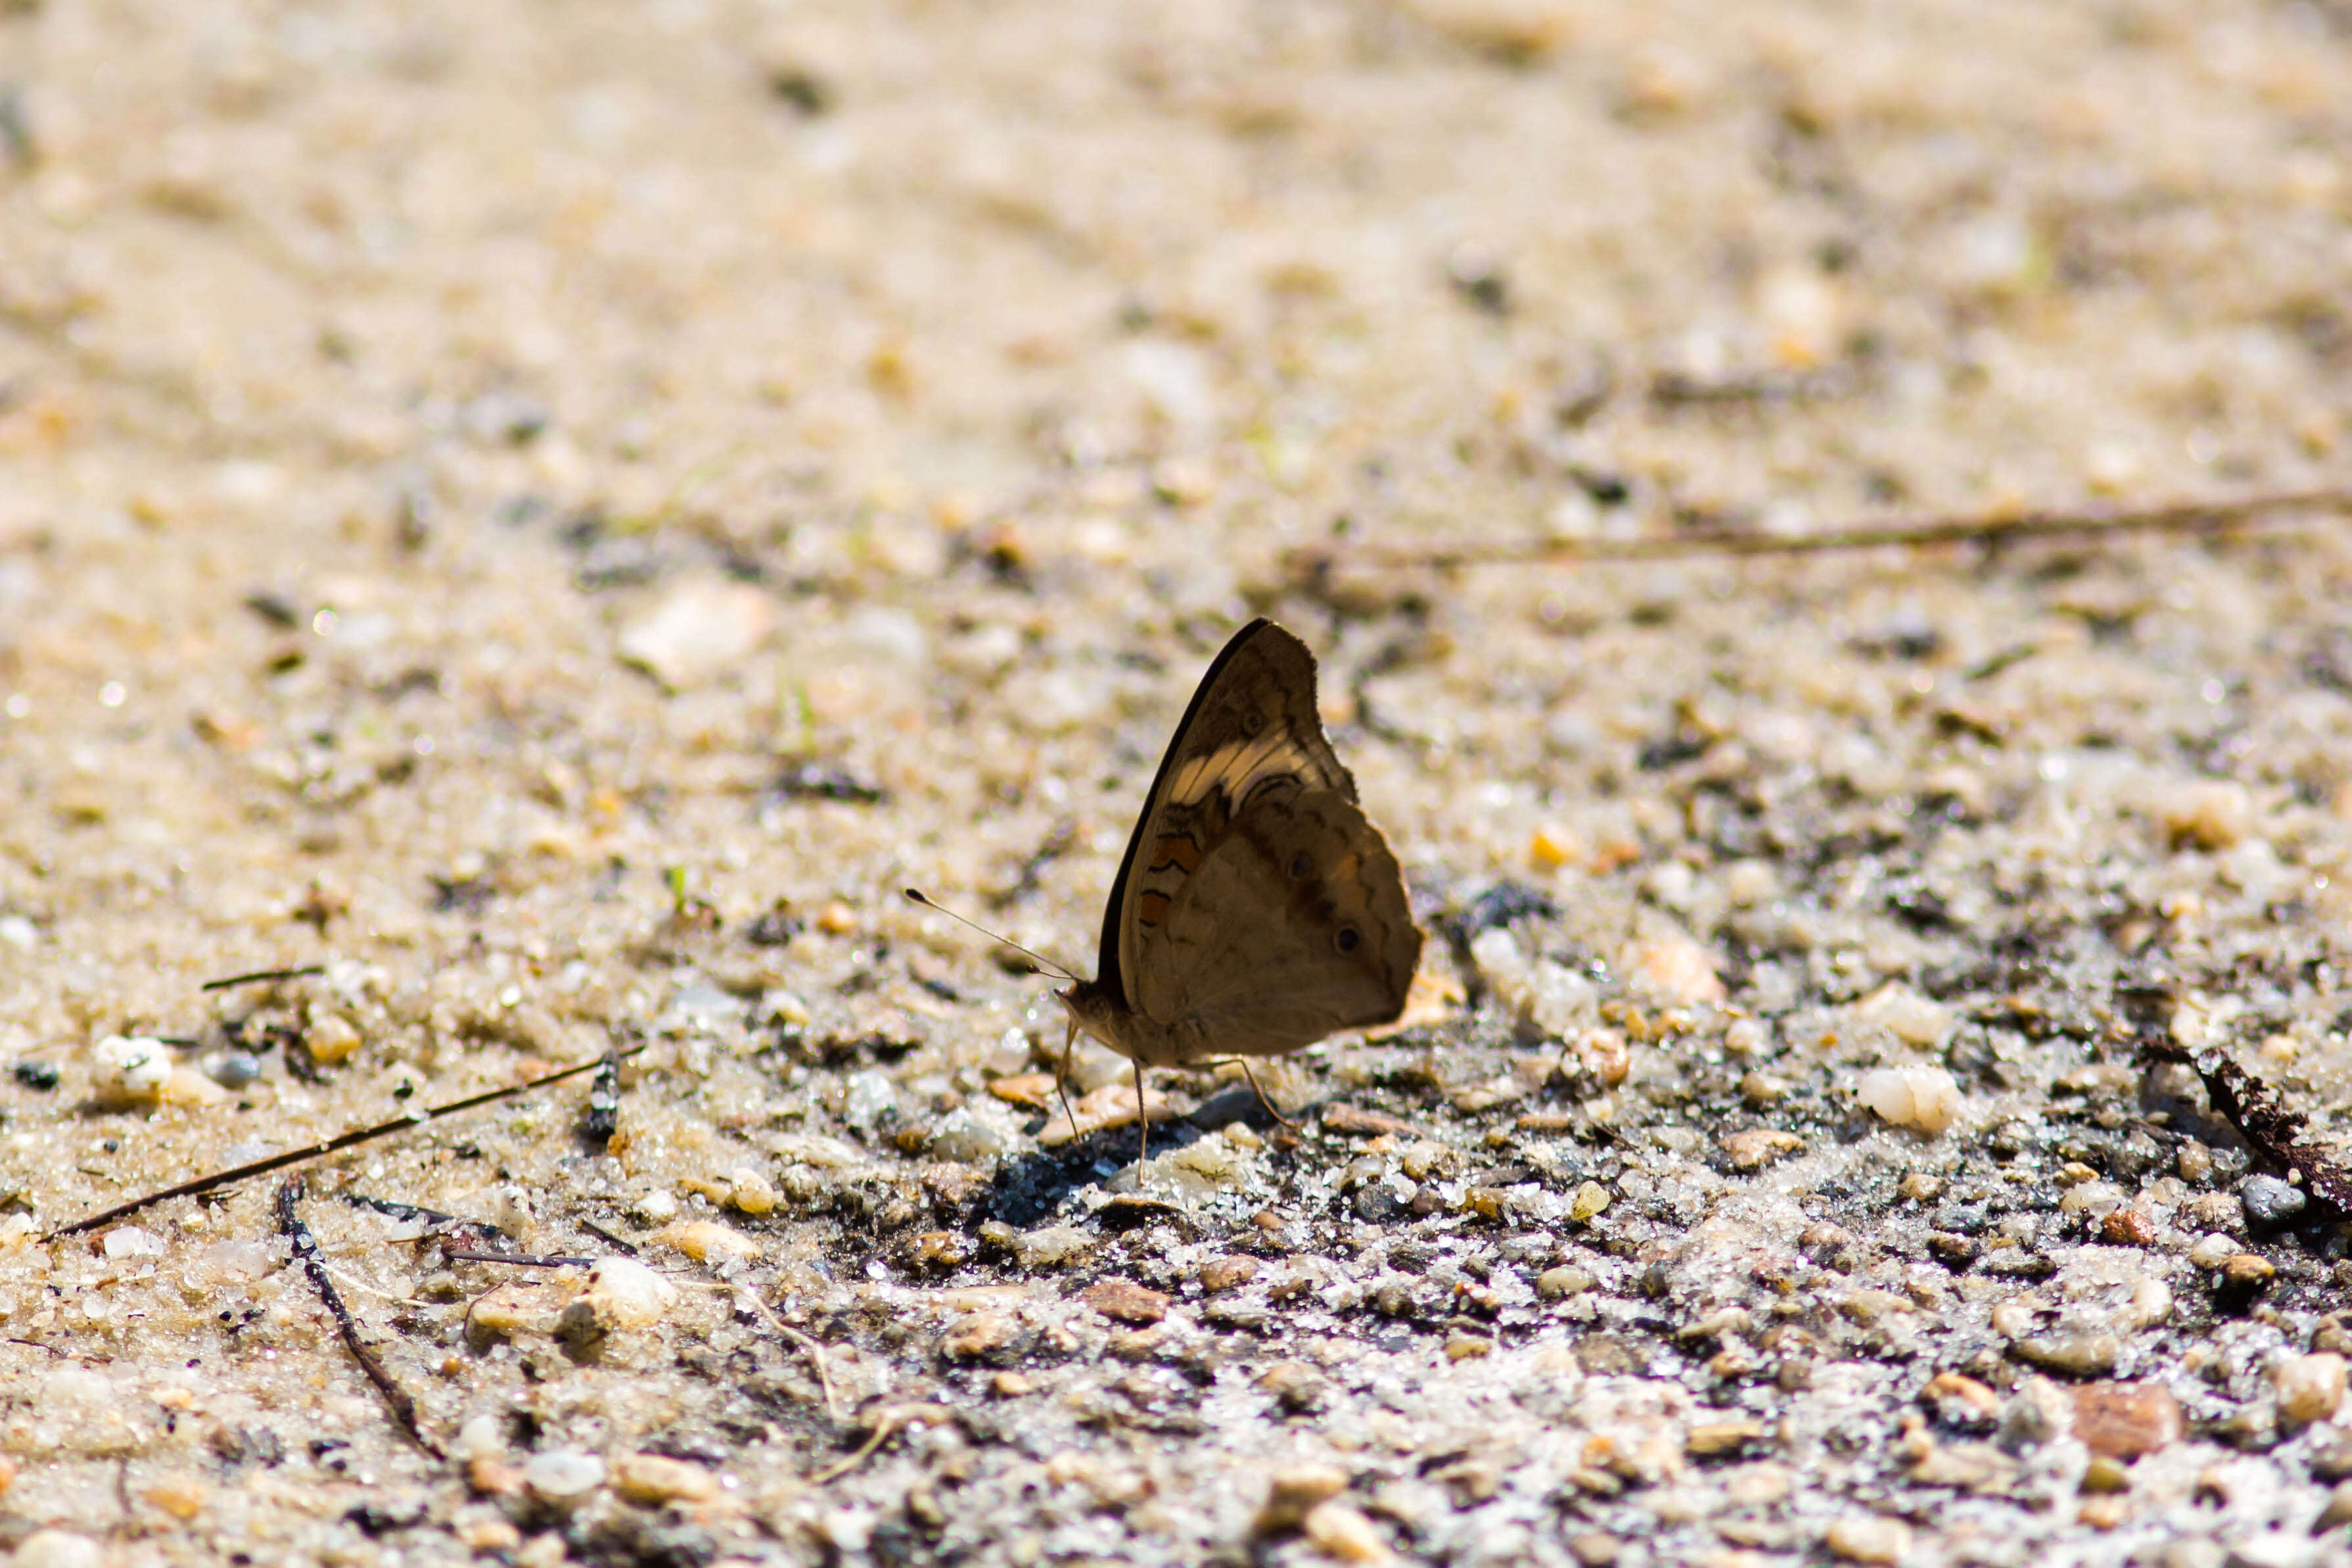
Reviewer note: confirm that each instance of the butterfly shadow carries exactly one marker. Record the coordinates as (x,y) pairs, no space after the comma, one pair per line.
(1031,1189)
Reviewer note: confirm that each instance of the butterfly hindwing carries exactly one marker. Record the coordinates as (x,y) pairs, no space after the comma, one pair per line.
(1328,943)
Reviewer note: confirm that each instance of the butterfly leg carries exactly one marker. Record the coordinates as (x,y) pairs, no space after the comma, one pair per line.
(1142,1124)
(1270,1109)
(1062,1076)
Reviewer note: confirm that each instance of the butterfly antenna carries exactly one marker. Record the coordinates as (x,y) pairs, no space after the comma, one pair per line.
(1043,965)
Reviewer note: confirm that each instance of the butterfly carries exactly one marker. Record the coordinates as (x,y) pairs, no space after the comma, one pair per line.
(1257,909)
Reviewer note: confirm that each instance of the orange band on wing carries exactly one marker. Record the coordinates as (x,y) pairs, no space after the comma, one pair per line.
(1151,909)
(1180,852)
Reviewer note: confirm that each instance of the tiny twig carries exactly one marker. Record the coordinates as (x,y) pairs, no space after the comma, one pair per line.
(621,1244)
(520,1259)
(882,1430)
(260,974)
(2269,1128)
(2194,516)
(809,1347)
(314,1264)
(316,1151)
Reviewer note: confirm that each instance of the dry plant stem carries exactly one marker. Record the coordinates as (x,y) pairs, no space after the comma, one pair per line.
(306,1252)
(816,1353)
(834,1472)
(1142,1125)
(2195,516)
(330,1146)
(260,975)
(2272,1131)
(809,1348)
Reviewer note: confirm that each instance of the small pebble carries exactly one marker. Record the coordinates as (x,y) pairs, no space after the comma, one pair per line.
(2331,1457)
(233,1070)
(128,1068)
(1595,1549)
(126,1242)
(622,1293)
(331,1039)
(1919,1187)
(2194,1161)
(2213,1212)
(1567,1279)
(58,1549)
(2210,1252)
(984,1336)
(705,1239)
(1910,1016)
(2104,1474)
(2339,1511)
(2247,1271)
(1926,1099)
(657,1479)
(1554,847)
(2210,814)
(1294,1492)
(2269,1202)
(1591,1199)
(2310,1387)
(563,1475)
(1870,1538)
(1759,1147)
(1711,1437)
(1675,971)
(2127,1227)
(1345,1535)
(1050,1246)
(2076,1355)
(750,1192)
(2125,1420)
(1126,1301)
(181,1496)
(699,632)
(1220,1274)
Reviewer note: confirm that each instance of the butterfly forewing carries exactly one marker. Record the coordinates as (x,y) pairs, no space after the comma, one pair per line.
(1251,727)
(1257,910)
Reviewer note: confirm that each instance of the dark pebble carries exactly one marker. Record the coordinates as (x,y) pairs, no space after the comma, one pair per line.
(43,1076)
(2269,1202)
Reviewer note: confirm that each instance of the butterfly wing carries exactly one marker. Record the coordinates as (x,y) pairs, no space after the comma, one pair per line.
(1250,858)
(1323,939)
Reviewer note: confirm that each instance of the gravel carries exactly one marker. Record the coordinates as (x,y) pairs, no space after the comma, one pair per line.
(526,528)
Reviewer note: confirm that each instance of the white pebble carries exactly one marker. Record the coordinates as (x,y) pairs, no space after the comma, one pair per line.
(2212,1251)
(132,1068)
(19,932)
(128,1241)
(623,1293)
(58,1549)
(563,1475)
(483,1437)
(1926,1097)
(1869,1537)
(2310,1387)
(1910,1016)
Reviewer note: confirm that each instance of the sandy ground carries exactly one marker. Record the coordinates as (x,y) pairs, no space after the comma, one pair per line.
(556,513)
